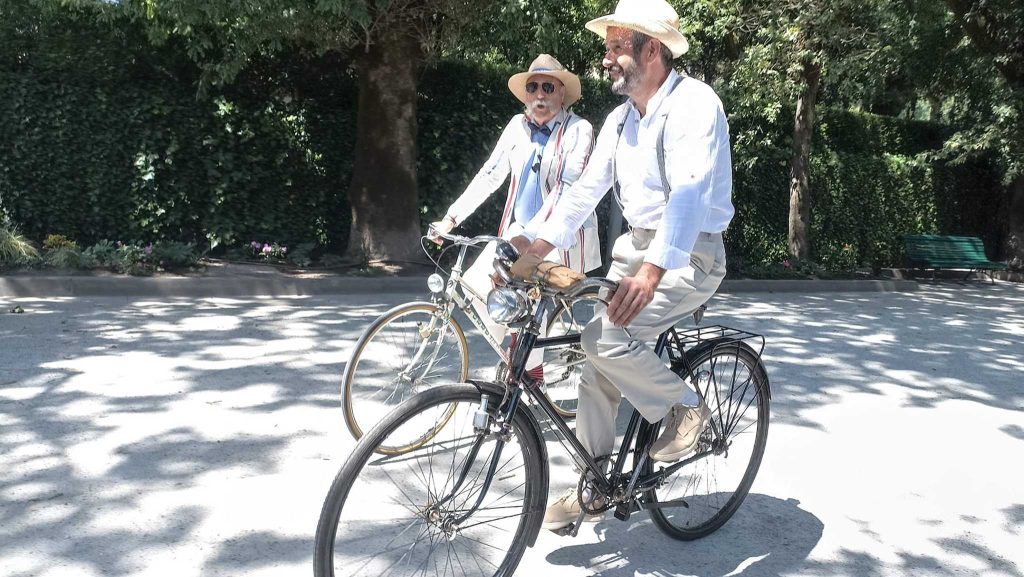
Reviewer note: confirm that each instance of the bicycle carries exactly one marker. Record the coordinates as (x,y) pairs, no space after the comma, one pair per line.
(414,345)
(473,499)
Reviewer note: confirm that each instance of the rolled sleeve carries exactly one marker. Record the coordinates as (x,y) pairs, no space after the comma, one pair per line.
(577,202)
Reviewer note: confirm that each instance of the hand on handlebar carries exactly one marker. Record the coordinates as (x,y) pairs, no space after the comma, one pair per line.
(443,226)
(521,243)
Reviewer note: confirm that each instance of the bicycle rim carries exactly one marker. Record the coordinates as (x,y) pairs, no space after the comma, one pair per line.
(734,385)
(392,516)
(409,349)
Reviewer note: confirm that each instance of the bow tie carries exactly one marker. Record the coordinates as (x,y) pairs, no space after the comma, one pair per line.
(534,129)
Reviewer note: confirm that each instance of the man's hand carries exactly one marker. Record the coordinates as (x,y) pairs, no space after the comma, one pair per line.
(521,243)
(443,226)
(634,293)
(539,247)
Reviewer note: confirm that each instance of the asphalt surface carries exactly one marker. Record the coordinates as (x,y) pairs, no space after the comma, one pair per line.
(198,436)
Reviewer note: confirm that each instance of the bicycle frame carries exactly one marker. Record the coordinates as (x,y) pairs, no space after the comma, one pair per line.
(606,484)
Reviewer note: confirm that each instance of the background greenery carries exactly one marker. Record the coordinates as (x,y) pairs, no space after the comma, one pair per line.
(107,136)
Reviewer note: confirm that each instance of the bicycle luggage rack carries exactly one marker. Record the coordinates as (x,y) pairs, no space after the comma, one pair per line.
(687,339)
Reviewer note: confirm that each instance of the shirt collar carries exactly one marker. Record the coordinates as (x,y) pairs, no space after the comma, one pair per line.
(659,97)
(551,124)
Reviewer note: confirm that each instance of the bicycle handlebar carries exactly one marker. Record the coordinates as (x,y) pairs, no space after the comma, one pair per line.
(458,239)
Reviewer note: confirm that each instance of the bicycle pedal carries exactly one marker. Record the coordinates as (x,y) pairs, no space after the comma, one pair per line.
(567,531)
(624,510)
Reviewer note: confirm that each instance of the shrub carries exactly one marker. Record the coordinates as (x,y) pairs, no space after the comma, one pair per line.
(15,249)
(174,255)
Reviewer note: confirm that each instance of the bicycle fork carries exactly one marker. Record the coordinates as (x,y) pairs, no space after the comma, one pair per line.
(485,427)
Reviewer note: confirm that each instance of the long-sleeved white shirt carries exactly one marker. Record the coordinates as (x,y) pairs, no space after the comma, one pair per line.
(562,162)
(697,162)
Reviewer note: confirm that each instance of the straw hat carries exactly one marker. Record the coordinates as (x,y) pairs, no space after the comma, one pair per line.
(547,65)
(654,18)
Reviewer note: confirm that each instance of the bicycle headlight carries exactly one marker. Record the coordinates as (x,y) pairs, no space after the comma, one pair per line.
(435,283)
(506,305)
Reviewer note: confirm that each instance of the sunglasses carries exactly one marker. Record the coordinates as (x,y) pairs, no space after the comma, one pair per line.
(547,87)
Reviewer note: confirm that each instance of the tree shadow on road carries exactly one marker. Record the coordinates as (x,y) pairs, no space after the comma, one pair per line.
(766,536)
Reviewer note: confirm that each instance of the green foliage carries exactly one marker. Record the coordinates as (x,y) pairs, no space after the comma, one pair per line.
(15,249)
(107,139)
(265,251)
(56,241)
(63,257)
(302,254)
(103,254)
(170,255)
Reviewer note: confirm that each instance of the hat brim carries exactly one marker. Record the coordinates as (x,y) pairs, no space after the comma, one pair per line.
(667,35)
(573,88)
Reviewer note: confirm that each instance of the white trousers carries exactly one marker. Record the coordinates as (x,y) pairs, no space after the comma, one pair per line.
(621,363)
(478,278)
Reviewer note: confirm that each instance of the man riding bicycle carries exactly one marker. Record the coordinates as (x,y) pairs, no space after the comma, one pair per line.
(666,154)
(545,149)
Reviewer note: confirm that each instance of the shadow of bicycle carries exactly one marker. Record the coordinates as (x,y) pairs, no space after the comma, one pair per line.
(766,536)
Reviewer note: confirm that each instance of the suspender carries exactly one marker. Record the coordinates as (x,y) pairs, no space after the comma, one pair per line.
(660,151)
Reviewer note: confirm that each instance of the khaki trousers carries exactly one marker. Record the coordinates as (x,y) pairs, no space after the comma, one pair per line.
(622,361)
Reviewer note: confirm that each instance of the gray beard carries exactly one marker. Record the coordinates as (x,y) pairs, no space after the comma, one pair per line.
(627,83)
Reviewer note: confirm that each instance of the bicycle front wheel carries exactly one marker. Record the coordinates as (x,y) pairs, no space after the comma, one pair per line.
(700,497)
(469,502)
(407,350)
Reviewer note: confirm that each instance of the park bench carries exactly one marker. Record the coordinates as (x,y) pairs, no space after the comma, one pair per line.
(935,252)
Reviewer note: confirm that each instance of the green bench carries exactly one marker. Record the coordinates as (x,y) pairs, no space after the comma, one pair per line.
(932,251)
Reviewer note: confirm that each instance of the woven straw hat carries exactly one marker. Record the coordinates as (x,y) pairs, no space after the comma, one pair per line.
(547,65)
(654,18)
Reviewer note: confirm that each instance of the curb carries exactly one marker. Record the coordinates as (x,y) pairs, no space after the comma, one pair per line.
(247,286)
(200,287)
(815,286)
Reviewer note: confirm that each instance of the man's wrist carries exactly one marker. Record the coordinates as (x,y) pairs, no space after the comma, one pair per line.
(540,247)
(650,274)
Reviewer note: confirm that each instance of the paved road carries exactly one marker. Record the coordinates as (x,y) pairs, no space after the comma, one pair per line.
(198,437)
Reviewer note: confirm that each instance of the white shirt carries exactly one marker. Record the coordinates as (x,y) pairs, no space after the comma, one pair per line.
(697,162)
(561,163)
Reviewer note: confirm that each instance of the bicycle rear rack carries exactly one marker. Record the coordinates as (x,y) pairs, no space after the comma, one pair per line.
(681,340)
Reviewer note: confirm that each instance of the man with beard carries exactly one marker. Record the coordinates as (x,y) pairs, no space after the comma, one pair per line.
(545,149)
(665,152)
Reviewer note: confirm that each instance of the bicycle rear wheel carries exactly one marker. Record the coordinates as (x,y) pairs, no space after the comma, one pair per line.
(400,514)
(408,349)
(731,379)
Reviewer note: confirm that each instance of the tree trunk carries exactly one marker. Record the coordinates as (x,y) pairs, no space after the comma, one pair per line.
(382,194)
(800,165)
(1015,238)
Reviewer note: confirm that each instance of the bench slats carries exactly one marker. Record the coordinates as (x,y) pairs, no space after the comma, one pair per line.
(939,251)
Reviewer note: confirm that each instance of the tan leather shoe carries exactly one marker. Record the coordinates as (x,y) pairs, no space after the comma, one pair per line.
(683,426)
(565,511)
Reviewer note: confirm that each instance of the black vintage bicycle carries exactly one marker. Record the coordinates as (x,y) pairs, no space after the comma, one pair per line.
(471,499)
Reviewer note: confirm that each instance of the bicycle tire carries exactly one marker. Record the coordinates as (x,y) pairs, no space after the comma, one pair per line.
(370,371)
(756,383)
(355,522)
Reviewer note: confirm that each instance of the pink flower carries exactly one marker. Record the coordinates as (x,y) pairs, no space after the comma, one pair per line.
(267,249)
(284,249)
(785,263)
(149,248)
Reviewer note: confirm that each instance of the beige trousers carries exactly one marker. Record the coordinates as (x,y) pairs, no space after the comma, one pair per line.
(622,361)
